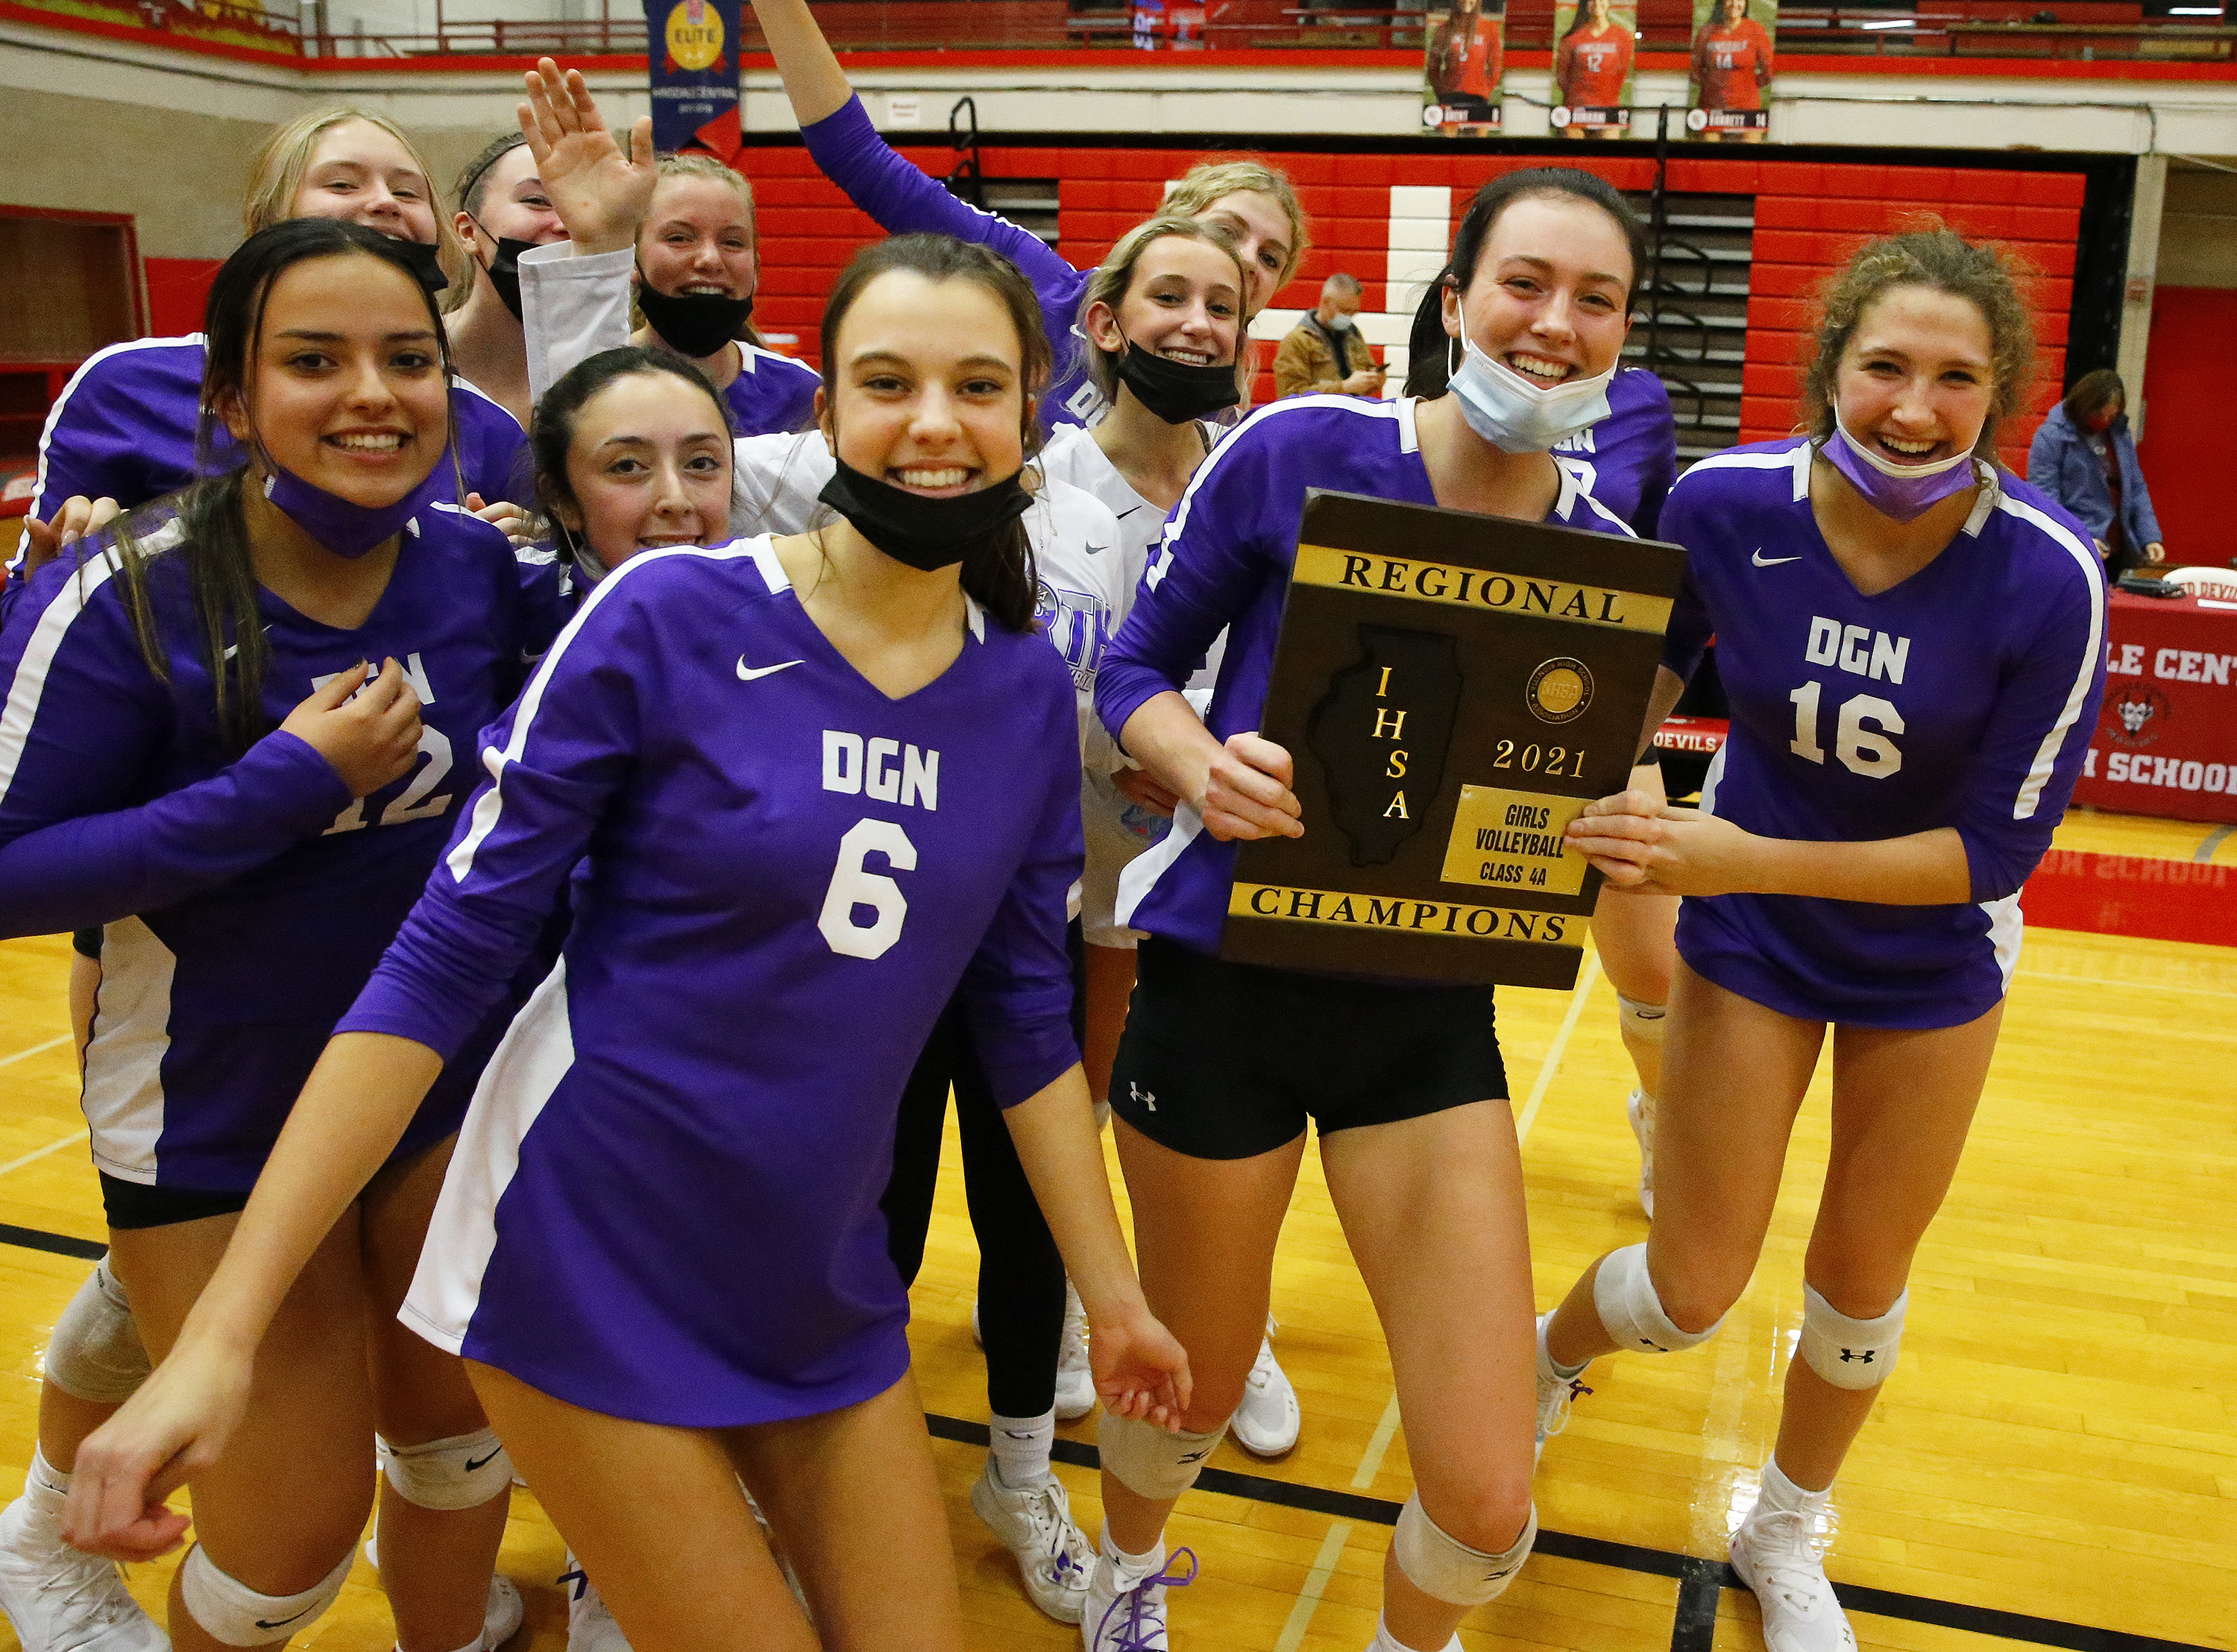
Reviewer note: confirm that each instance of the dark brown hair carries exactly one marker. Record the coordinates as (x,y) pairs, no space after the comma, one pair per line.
(211,549)
(551,431)
(1000,575)
(1931,256)
(2095,391)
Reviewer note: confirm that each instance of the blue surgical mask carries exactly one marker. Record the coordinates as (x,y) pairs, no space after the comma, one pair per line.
(345,528)
(1340,323)
(1901,491)
(1516,416)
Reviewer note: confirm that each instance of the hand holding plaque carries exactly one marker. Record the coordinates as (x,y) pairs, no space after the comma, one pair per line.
(1455,688)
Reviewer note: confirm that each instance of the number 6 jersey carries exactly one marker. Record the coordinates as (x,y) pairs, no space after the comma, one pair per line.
(665,1202)
(1951,699)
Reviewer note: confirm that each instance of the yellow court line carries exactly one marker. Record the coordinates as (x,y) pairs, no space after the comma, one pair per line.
(2132,986)
(1301,1614)
(1370,1460)
(37,1154)
(36,1050)
(1552,1065)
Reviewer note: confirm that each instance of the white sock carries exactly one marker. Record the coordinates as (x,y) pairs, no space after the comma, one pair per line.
(1551,1366)
(1020,1448)
(1386,1642)
(1779,1492)
(45,1490)
(1132,1568)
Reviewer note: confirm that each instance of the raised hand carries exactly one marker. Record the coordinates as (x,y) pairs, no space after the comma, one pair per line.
(370,738)
(77,518)
(601,191)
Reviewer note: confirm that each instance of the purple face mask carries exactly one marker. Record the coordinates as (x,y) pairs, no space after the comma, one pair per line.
(1903,491)
(350,529)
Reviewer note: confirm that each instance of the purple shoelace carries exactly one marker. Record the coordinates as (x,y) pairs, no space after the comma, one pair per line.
(1133,1628)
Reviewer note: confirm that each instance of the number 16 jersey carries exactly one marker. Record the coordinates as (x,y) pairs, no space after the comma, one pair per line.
(1960,697)
(663,1204)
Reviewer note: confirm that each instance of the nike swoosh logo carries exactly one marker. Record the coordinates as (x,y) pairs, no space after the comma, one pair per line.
(748,673)
(1097,550)
(472,1464)
(1762,561)
(1127,512)
(278,1622)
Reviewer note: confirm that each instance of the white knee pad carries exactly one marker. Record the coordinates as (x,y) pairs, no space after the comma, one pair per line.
(462,1472)
(1642,1021)
(1449,1571)
(1148,1461)
(1624,1293)
(1848,1354)
(96,1353)
(235,1614)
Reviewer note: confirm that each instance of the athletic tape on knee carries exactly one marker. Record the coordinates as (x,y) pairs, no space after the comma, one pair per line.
(235,1614)
(462,1472)
(1446,1569)
(1151,1462)
(1642,1021)
(1624,1293)
(1848,1354)
(96,1353)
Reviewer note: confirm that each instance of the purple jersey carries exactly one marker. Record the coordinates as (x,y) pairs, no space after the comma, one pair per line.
(247,899)
(1628,460)
(124,428)
(1962,697)
(902,200)
(664,1203)
(772,394)
(1225,562)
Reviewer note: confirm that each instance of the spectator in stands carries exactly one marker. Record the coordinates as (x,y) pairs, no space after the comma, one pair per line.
(1323,354)
(2084,457)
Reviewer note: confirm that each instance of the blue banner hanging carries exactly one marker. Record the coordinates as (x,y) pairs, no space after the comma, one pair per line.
(694,57)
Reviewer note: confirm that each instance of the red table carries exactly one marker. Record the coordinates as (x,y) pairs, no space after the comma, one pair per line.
(2167,741)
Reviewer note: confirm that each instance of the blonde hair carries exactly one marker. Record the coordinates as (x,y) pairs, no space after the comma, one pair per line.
(691,163)
(1110,281)
(1939,257)
(275,178)
(1208,181)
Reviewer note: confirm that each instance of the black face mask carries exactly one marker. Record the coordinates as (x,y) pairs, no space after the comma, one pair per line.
(692,324)
(426,264)
(1174,391)
(504,271)
(927,534)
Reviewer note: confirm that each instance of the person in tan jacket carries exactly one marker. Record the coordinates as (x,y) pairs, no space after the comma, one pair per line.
(1323,354)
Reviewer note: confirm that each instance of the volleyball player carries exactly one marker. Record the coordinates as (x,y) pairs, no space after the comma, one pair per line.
(1254,201)
(1626,461)
(1417,1138)
(222,756)
(1913,640)
(1591,63)
(502,212)
(685,1280)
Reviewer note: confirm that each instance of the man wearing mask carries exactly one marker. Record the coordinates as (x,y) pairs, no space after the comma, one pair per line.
(1323,354)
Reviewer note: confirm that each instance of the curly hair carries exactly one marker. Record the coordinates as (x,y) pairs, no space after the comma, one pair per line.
(1937,257)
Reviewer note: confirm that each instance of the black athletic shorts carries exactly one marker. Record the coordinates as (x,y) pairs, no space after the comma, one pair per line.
(137,1204)
(1227,1061)
(87,942)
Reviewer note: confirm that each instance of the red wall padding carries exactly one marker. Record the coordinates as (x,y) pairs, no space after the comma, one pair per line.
(178,288)
(2186,446)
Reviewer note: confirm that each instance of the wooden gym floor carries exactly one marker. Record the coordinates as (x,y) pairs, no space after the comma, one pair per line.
(2055,1465)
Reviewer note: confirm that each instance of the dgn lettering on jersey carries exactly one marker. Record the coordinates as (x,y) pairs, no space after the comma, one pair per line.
(884,770)
(1857,649)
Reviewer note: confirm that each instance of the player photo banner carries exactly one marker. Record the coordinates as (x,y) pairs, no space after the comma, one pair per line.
(1453,689)
(1729,98)
(694,55)
(1593,43)
(1463,53)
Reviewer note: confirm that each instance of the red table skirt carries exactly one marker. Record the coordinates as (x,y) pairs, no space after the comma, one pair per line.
(2167,741)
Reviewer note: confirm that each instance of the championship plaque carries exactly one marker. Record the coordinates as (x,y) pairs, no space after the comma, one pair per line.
(1453,688)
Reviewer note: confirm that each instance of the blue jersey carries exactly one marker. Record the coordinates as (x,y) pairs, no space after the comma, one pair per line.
(903,200)
(124,428)
(772,394)
(1226,561)
(246,898)
(664,1203)
(1962,697)
(1628,460)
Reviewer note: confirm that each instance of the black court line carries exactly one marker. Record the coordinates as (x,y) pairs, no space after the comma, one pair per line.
(1699,1581)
